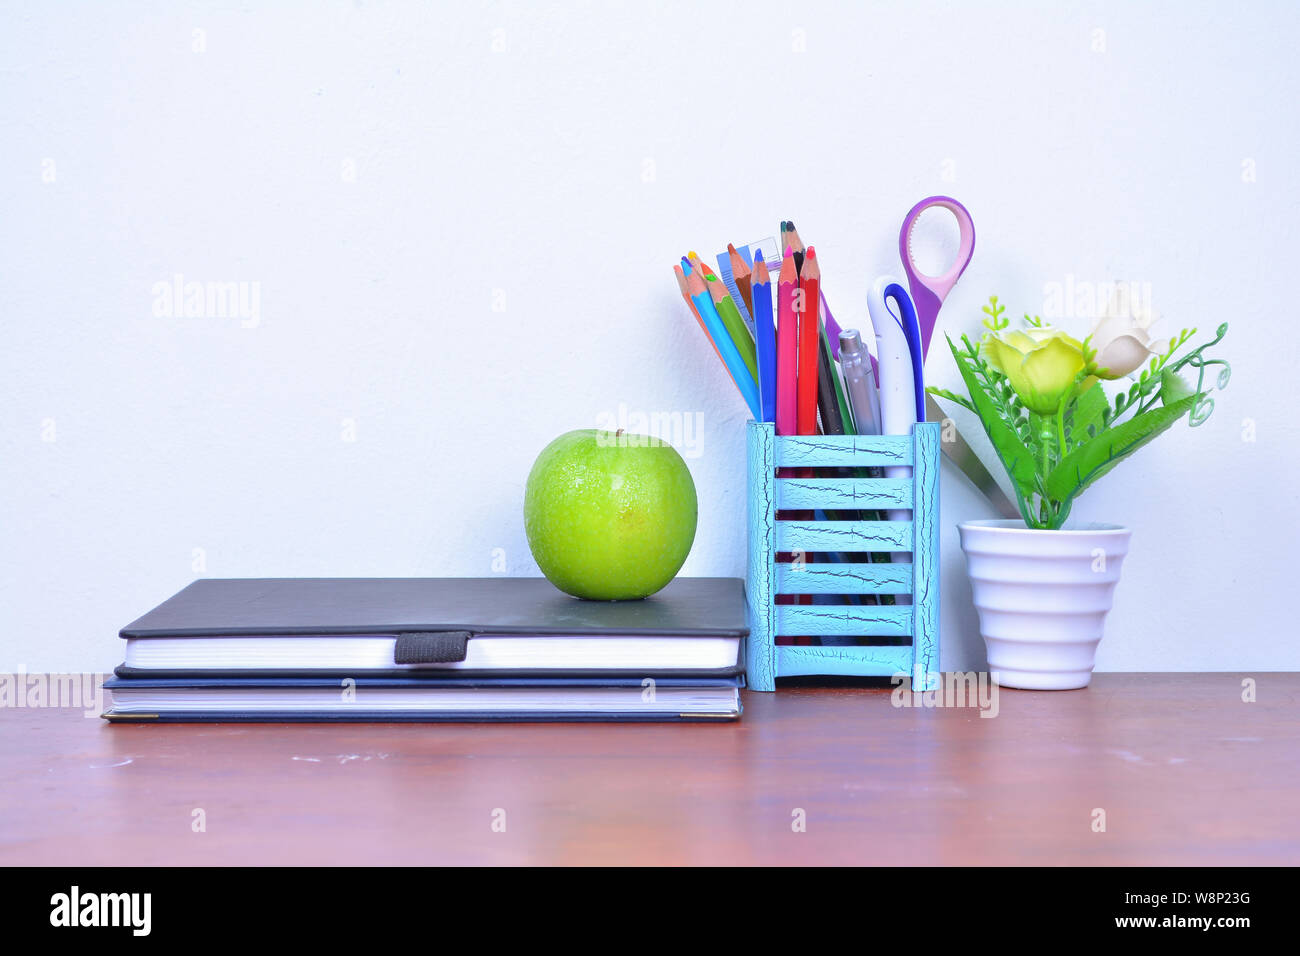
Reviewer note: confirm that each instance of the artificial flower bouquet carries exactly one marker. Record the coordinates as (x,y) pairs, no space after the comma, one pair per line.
(1039,394)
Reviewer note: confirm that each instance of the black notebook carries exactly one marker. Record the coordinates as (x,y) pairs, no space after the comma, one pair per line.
(436,628)
(262,699)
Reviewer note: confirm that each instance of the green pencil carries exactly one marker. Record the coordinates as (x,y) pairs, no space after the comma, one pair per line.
(841,400)
(735,325)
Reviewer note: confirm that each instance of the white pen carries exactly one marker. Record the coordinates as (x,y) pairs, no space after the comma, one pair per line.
(898,375)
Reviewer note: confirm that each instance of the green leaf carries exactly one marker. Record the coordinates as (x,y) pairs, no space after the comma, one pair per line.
(1016,458)
(1087,412)
(1094,458)
(951,396)
(1173,388)
(995,322)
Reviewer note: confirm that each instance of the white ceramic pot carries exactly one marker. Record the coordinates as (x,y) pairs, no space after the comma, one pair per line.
(1042,597)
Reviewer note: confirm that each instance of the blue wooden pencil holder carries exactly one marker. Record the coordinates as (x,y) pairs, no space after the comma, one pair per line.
(854,629)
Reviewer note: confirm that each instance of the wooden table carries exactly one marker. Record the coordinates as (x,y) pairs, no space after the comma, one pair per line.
(1185,771)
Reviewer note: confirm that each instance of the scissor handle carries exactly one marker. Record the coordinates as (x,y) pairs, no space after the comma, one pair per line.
(928,292)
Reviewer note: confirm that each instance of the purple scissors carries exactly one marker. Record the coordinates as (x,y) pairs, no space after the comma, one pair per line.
(928,292)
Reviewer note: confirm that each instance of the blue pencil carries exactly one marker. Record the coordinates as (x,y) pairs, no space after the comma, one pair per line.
(723,342)
(760,290)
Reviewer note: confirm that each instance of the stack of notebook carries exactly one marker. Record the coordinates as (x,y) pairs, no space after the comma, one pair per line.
(366,649)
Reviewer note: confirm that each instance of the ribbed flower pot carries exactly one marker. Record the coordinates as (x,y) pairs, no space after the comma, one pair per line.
(1042,598)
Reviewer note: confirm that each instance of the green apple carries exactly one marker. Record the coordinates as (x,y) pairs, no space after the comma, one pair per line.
(609,516)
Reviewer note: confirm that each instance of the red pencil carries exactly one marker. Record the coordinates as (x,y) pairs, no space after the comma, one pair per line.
(787,348)
(809,288)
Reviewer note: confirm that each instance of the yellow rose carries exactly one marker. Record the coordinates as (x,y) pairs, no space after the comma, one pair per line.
(1040,363)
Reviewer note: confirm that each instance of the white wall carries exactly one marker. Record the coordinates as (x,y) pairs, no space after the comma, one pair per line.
(526,171)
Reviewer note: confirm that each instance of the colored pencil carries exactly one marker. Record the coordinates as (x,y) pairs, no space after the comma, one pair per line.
(829,333)
(833,422)
(837,384)
(765,337)
(806,387)
(809,285)
(681,284)
(796,244)
(787,348)
(695,286)
(792,235)
(740,272)
(680,275)
(787,384)
(734,324)
(832,403)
